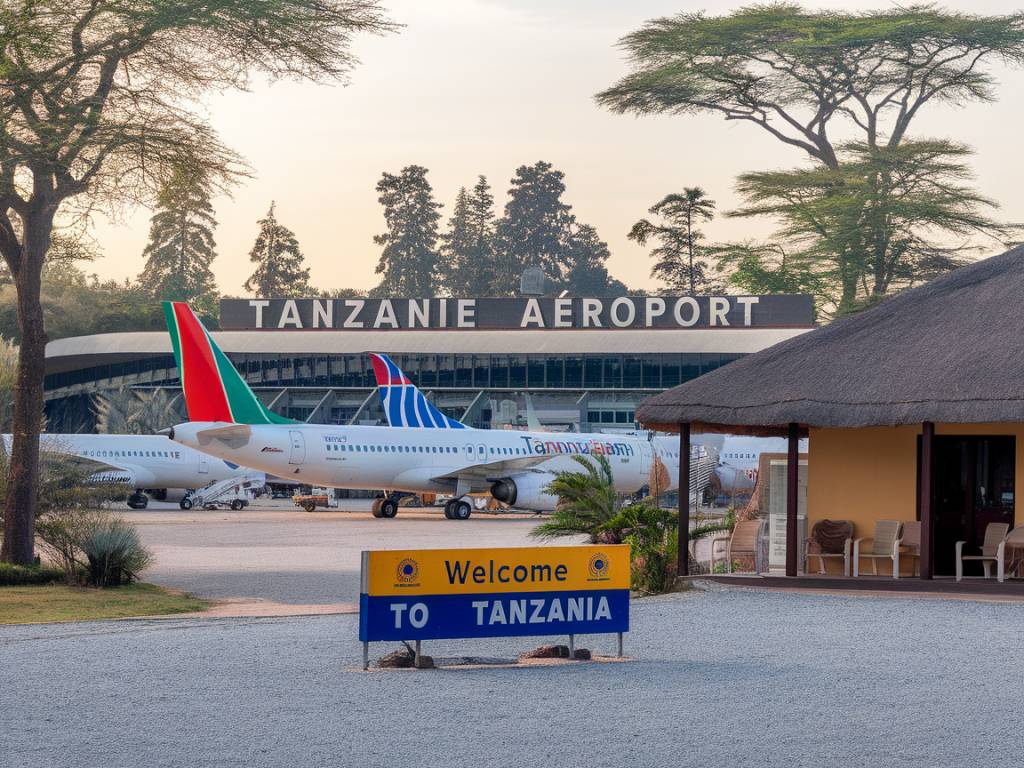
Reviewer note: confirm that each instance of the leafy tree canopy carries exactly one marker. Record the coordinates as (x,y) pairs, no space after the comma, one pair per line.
(882,221)
(795,73)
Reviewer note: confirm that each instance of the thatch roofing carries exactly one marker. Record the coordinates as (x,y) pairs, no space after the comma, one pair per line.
(949,351)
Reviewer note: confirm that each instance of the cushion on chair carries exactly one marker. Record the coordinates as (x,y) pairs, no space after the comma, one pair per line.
(829,536)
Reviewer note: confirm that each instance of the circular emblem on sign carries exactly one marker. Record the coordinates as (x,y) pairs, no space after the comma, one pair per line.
(599,565)
(407,570)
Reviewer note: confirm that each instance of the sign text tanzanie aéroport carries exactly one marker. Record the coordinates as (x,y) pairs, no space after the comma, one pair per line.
(547,313)
(465,593)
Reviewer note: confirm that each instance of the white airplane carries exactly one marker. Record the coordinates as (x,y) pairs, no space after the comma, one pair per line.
(739,458)
(422,451)
(148,464)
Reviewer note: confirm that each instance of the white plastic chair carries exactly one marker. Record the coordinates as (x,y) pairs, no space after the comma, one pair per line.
(884,545)
(993,550)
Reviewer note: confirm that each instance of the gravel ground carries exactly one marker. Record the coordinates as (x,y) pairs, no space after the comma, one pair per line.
(725,677)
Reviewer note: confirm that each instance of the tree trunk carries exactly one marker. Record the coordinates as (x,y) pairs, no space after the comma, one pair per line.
(23,472)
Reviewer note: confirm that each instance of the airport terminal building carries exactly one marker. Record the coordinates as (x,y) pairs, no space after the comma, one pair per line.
(580,364)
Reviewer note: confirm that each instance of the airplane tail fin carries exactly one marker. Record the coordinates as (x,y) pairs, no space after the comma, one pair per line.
(214,390)
(404,404)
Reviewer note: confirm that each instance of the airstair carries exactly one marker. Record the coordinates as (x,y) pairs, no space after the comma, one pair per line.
(234,492)
(703,462)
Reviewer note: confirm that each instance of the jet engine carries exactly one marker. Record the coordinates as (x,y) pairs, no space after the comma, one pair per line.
(526,492)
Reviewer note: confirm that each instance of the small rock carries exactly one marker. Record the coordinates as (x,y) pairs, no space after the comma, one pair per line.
(396,660)
(547,652)
(582,654)
(424,662)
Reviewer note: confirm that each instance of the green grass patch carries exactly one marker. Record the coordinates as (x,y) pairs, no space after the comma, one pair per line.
(45,603)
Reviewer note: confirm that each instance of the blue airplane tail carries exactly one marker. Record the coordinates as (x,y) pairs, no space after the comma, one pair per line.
(404,405)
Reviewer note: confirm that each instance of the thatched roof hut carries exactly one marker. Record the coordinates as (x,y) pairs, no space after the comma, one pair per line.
(948,351)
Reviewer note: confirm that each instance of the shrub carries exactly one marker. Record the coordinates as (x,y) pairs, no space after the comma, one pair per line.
(115,554)
(652,535)
(61,533)
(15,575)
(587,503)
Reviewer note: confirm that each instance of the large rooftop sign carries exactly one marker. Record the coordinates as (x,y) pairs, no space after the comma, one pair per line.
(518,313)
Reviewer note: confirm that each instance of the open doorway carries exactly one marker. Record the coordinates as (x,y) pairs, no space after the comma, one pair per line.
(973,486)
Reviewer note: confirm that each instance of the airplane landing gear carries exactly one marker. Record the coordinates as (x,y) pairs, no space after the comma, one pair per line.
(457,509)
(138,500)
(386,507)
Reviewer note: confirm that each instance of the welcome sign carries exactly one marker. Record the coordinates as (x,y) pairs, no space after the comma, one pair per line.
(429,594)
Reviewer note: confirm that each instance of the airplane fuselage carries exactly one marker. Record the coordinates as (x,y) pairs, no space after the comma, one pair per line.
(425,460)
(143,461)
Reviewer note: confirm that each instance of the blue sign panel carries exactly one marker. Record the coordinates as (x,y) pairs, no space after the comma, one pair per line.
(465,593)
(506,614)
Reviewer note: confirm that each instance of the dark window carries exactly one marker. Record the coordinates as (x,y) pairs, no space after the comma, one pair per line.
(554,368)
(517,371)
(613,372)
(499,371)
(573,373)
(535,372)
(463,371)
(631,373)
(651,373)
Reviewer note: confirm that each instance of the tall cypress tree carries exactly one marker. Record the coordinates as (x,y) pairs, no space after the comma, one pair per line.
(409,261)
(279,270)
(586,271)
(535,227)
(181,246)
(467,248)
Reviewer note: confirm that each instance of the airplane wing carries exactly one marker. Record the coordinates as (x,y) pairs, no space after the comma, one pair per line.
(494,470)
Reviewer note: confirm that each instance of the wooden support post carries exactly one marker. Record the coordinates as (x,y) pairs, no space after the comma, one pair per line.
(792,498)
(684,501)
(927,500)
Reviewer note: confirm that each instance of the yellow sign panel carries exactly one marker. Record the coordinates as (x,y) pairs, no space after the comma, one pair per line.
(480,571)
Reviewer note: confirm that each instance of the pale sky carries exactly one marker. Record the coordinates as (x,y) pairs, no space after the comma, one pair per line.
(483,86)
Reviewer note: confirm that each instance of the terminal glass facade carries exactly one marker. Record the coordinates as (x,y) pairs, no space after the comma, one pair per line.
(534,372)
(586,392)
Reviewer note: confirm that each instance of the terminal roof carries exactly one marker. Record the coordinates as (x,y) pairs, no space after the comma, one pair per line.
(944,352)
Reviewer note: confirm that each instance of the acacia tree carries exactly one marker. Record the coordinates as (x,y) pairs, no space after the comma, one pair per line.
(680,258)
(181,246)
(881,221)
(805,77)
(95,106)
(796,73)
(280,265)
